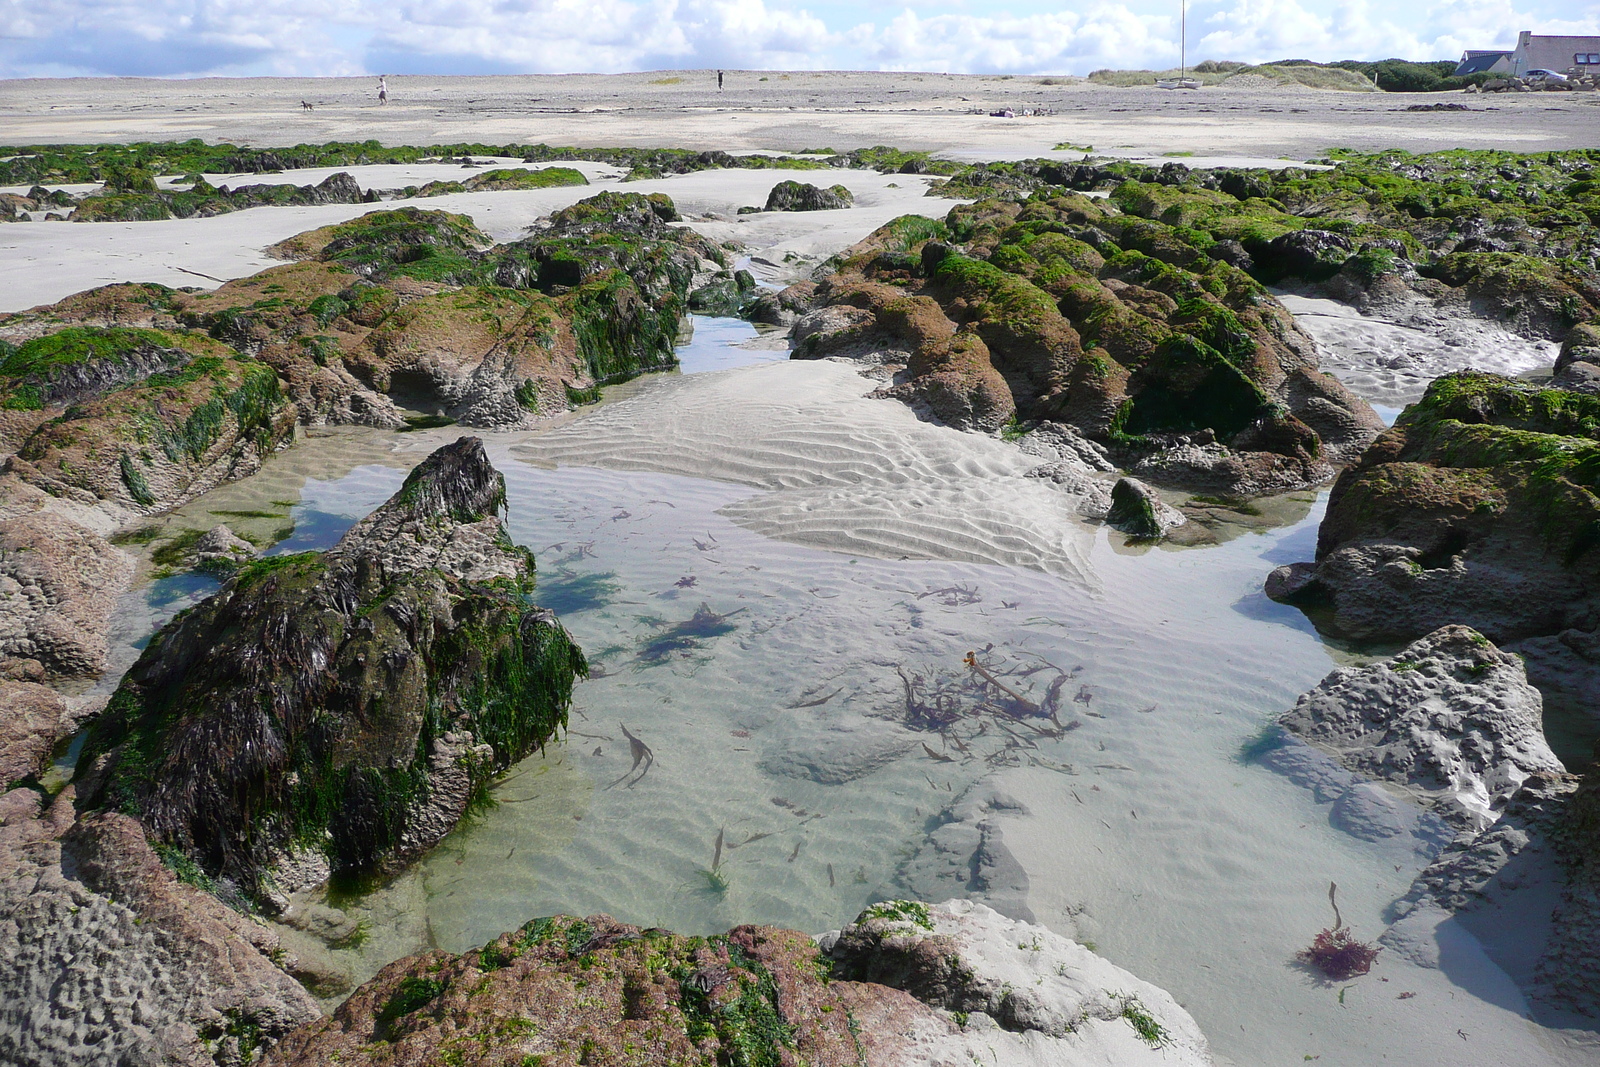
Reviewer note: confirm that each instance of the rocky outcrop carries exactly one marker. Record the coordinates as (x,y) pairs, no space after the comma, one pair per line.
(33,719)
(1479,507)
(122,202)
(1570,967)
(911,985)
(125,420)
(422,308)
(59,582)
(798,196)
(1064,309)
(109,954)
(335,713)
(1451,718)
(1452,723)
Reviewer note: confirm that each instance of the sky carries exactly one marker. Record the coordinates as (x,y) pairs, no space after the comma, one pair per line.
(189,38)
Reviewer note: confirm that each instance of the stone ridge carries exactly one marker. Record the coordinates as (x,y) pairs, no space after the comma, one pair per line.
(335,714)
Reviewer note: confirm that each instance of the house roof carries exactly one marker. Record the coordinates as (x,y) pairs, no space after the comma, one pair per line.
(1478,62)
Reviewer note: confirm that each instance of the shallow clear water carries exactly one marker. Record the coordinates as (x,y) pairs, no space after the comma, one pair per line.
(715,346)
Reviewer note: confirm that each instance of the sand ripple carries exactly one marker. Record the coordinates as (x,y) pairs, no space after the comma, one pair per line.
(841,471)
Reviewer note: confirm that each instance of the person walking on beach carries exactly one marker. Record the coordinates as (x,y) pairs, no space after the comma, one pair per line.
(719,81)
(383,89)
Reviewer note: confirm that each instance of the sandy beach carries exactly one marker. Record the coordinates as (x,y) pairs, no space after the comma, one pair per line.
(947,114)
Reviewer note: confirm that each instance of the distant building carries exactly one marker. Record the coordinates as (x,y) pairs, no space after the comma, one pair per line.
(1484,63)
(1554,53)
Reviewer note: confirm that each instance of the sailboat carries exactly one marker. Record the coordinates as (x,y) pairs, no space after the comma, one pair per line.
(1183,81)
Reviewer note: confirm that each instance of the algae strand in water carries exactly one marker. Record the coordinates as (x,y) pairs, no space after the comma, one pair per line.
(687,636)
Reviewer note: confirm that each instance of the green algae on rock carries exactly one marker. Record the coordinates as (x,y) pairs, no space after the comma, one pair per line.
(1481,505)
(421,305)
(337,713)
(1065,309)
(906,983)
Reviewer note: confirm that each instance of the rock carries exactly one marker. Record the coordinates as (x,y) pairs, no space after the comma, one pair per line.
(1309,254)
(1372,813)
(1065,310)
(560,984)
(731,294)
(964,957)
(1570,969)
(220,548)
(1451,717)
(965,856)
(1472,509)
(103,947)
(354,699)
(784,307)
(32,720)
(1138,511)
(796,196)
(59,583)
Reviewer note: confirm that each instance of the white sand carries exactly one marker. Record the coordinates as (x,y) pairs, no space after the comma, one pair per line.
(41,262)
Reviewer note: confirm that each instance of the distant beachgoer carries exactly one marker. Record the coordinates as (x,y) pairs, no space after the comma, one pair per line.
(719,79)
(383,88)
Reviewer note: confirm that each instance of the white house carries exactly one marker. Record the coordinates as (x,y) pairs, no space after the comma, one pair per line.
(1534,52)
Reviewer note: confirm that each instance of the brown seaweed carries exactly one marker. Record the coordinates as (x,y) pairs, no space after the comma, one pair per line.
(641,754)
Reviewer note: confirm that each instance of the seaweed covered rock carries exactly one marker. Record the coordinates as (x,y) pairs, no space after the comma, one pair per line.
(143,201)
(1117,324)
(800,196)
(563,991)
(110,422)
(1480,506)
(144,419)
(336,713)
(420,307)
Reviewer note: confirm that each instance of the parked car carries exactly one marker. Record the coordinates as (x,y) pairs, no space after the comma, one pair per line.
(1544,75)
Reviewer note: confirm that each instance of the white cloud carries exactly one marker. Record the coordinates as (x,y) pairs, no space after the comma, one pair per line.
(187,37)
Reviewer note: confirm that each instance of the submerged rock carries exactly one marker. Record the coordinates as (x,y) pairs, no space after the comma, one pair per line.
(335,713)
(1451,717)
(911,985)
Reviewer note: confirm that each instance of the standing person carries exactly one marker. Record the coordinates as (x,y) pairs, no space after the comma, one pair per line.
(383,88)
(719,81)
